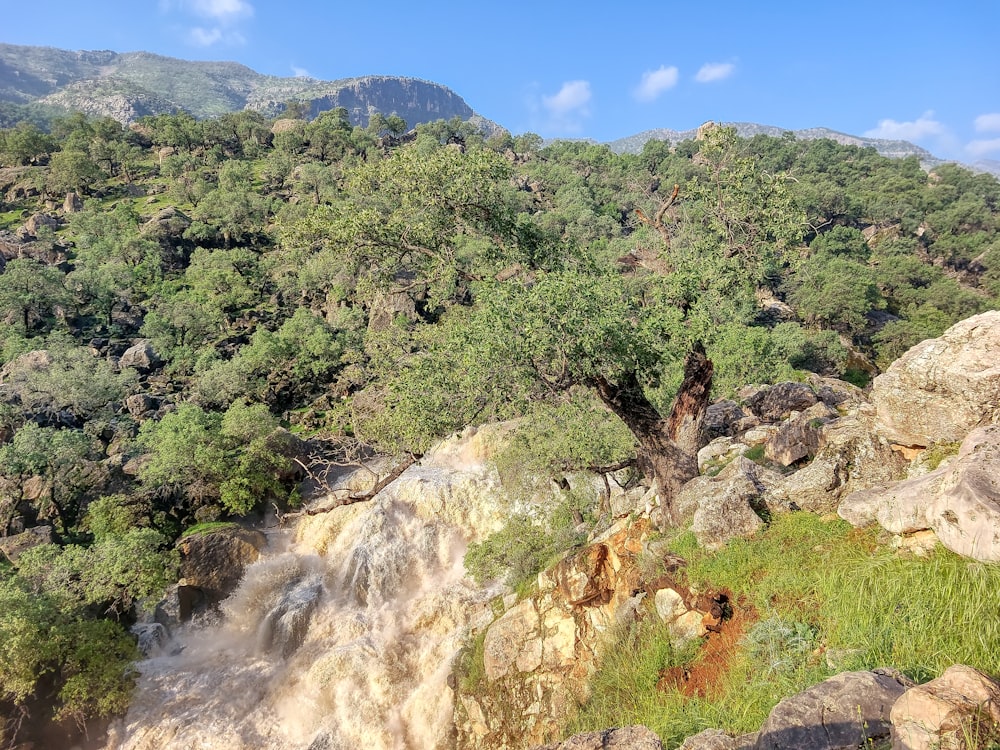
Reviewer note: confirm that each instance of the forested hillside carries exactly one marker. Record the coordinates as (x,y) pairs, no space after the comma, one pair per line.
(195,311)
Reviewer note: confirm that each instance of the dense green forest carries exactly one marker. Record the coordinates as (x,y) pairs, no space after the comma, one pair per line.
(309,286)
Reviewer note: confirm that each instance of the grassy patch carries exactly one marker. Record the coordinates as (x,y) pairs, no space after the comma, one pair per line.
(208,527)
(829,599)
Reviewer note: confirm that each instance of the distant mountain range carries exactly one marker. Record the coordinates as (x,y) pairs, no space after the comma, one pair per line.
(130,85)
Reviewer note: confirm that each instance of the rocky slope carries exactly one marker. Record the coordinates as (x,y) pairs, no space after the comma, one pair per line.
(133,84)
(841,451)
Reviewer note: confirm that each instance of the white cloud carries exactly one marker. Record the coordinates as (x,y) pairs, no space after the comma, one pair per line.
(714,72)
(983,147)
(202,37)
(655,82)
(300,72)
(922,127)
(988,123)
(223,19)
(559,114)
(223,11)
(573,98)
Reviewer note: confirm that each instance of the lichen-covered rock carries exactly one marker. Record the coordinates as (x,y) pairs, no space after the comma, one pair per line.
(840,713)
(956,711)
(778,401)
(942,388)
(619,738)
(959,501)
(727,505)
(716,739)
(852,457)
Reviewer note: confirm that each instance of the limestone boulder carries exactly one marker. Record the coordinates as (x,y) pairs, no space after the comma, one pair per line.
(73,203)
(728,505)
(716,739)
(958,710)
(843,712)
(213,562)
(800,436)
(959,501)
(167,223)
(852,457)
(942,388)
(619,738)
(721,419)
(140,356)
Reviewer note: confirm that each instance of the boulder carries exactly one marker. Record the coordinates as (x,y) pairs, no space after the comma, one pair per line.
(139,404)
(799,437)
(959,501)
(958,710)
(12,547)
(167,223)
(843,712)
(942,388)
(141,356)
(36,222)
(73,203)
(716,739)
(720,419)
(214,561)
(727,505)
(852,457)
(619,738)
(776,402)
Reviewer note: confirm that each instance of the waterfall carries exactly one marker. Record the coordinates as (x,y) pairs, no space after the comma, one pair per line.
(343,636)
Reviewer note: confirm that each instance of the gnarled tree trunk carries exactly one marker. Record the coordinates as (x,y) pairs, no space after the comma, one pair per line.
(668,446)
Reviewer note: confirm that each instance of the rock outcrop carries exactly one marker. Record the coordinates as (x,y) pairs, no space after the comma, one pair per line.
(619,738)
(942,388)
(213,562)
(958,710)
(959,501)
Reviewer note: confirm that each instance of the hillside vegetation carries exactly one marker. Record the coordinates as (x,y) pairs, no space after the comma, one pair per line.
(194,310)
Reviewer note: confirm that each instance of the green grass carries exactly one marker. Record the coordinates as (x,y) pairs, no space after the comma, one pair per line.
(208,527)
(828,599)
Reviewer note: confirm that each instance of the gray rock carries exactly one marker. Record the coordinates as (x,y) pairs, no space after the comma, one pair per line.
(716,739)
(722,507)
(73,203)
(140,404)
(942,388)
(619,738)
(141,356)
(721,419)
(841,713)
(776,402)
(214,561)
(959,501)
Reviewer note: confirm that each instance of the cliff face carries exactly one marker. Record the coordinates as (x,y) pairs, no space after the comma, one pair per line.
(413,100)
(134,84)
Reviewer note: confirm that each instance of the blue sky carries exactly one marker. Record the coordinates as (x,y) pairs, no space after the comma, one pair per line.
(928,72)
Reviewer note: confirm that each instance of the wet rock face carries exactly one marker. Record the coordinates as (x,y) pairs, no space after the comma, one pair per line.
(214,562)
(942,388)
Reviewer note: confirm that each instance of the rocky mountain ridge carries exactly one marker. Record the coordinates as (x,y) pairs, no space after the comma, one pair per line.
(127,86)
